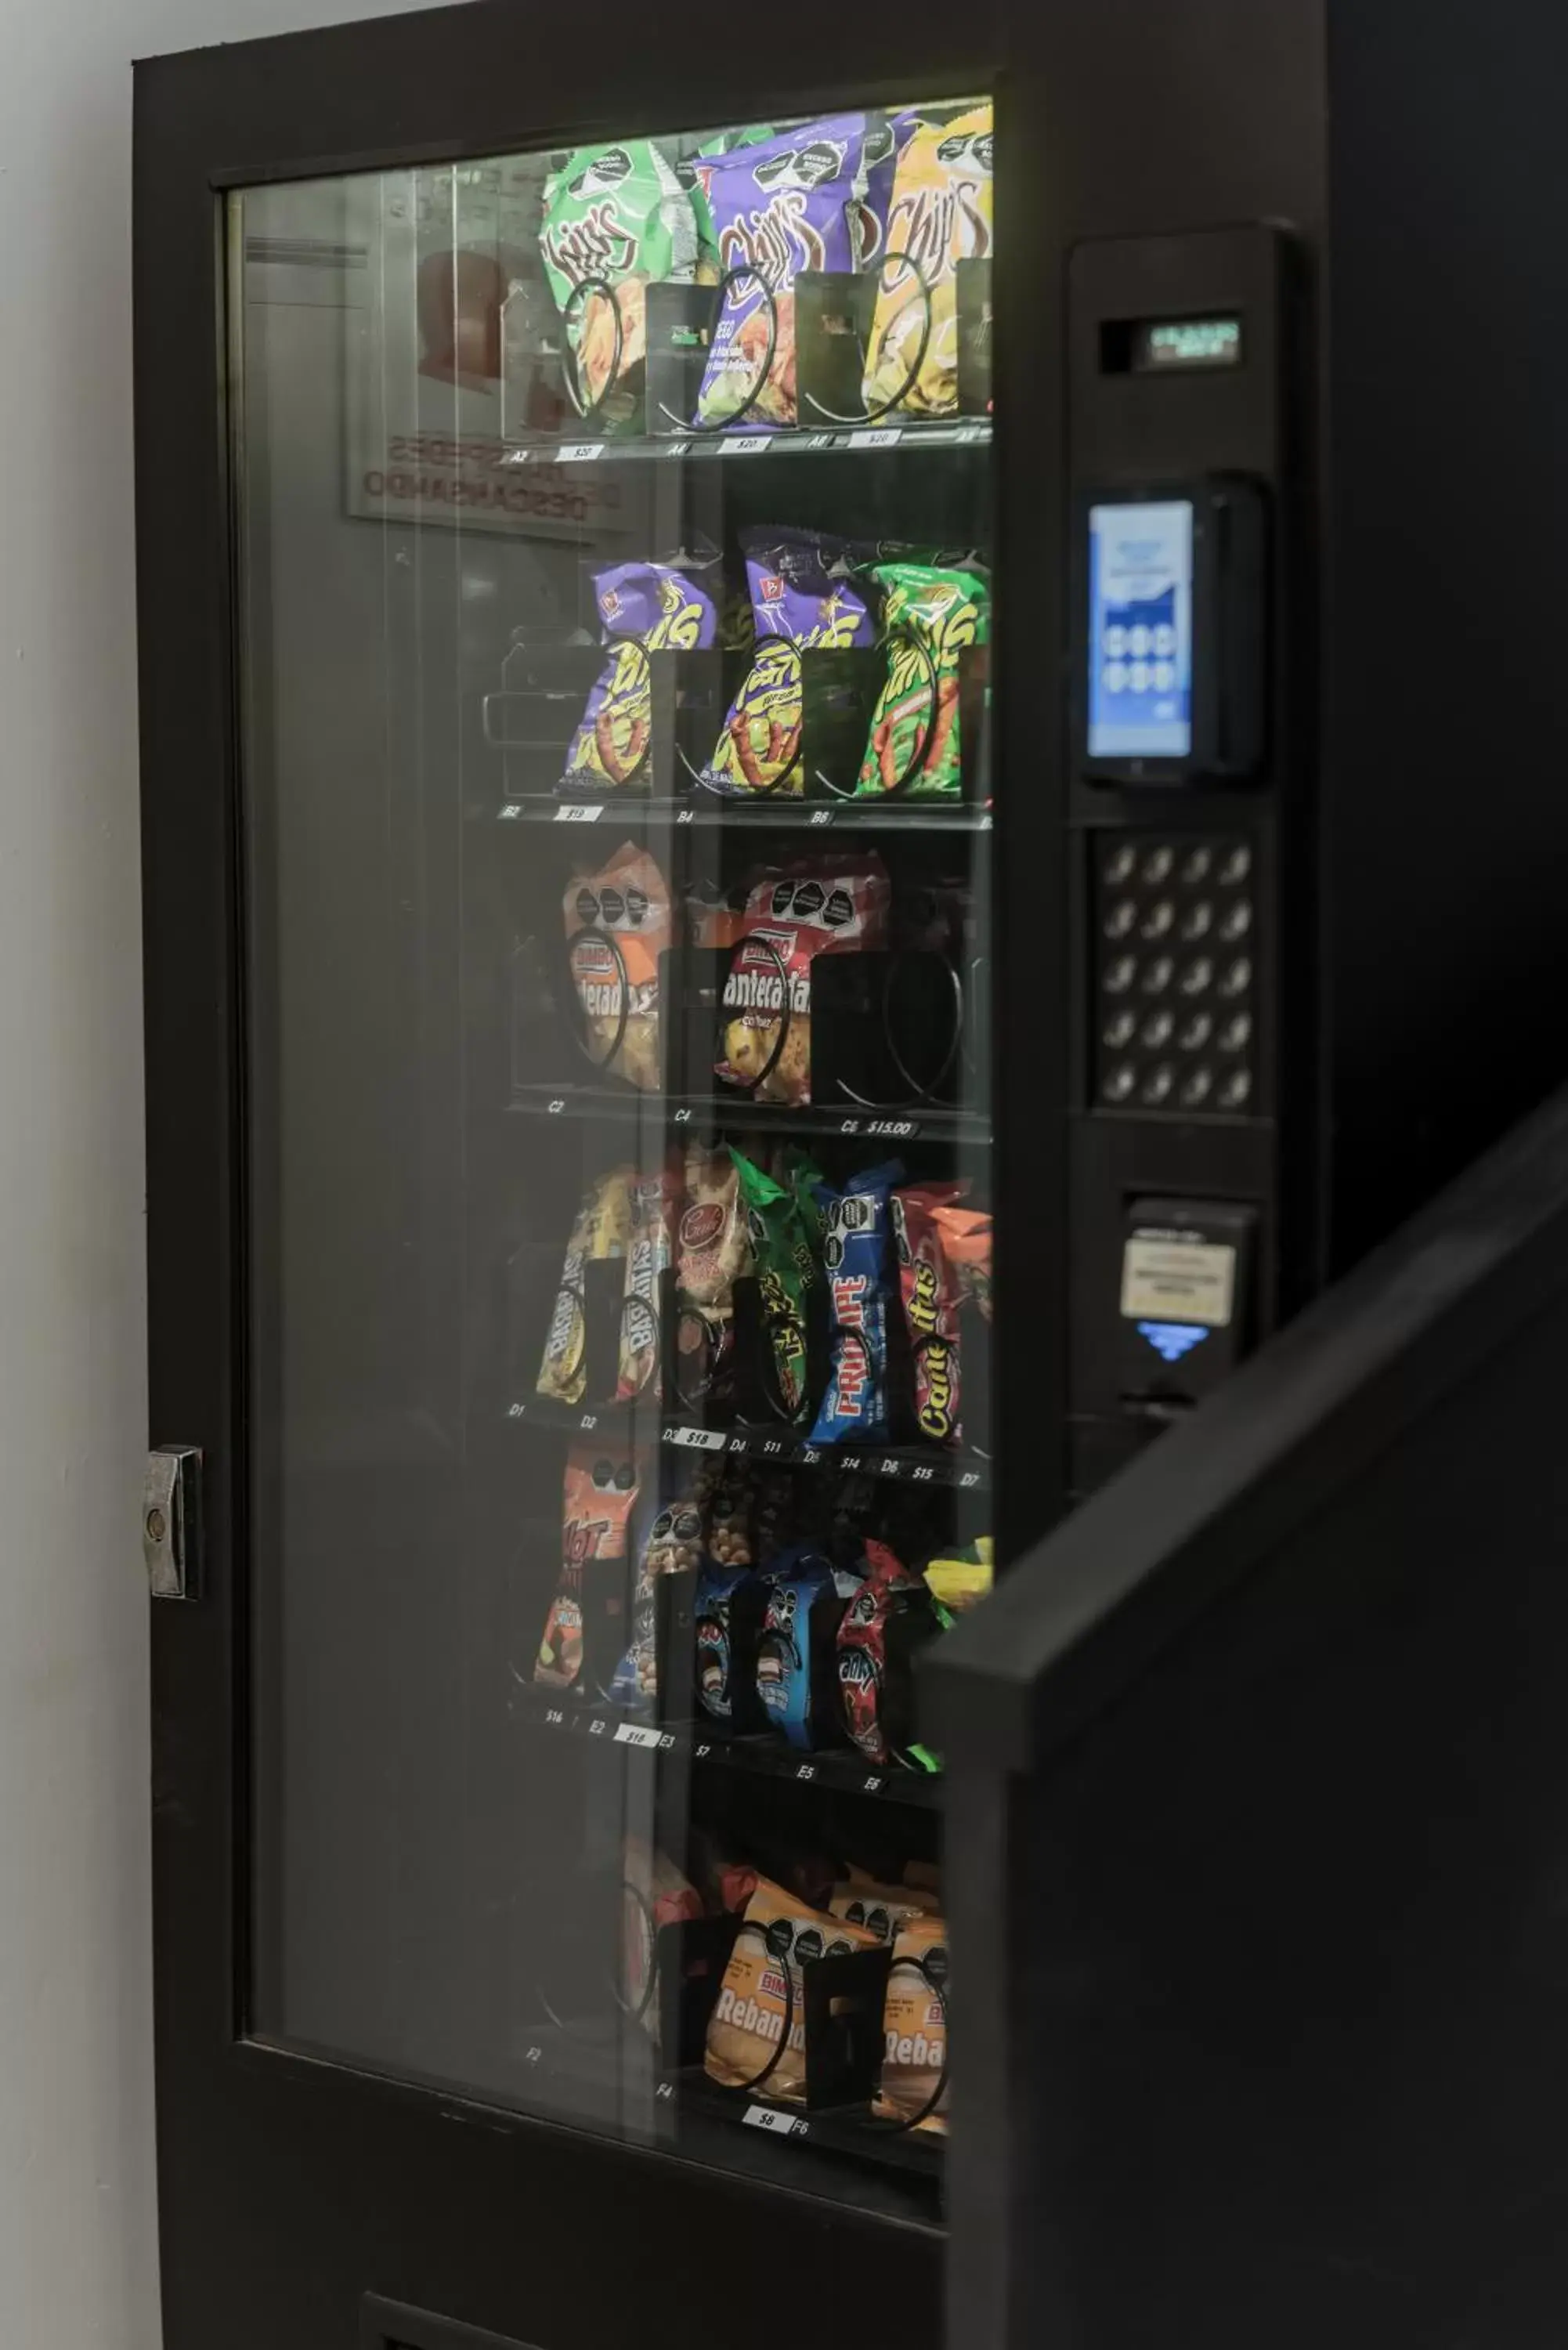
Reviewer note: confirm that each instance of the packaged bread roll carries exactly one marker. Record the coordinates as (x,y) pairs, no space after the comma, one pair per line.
(764,1988)
(914,2028)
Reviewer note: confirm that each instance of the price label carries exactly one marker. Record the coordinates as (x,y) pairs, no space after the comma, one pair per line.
(630,1734)
(579,452)
(772,1447)
(697,1439)
(747,444)
(901,1130)
(781,2125)
(579,812)
(553,1713)
(923,1476)
(851,1461)
(887,437)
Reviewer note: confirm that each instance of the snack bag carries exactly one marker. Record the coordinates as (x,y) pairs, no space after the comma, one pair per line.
(585,1631)
(620,218)
(617,926)
(818,907)
(803,594)
(930,616)
(928,1285)
(602,1232)
(940,215)
(806,1180)
(788,204)
(672,1545)
(795,1668)
(966,1241)
(711,1253)
(786,1273)
(654,1894)
(728,1610)
(882,1909)
(763,1990)
(961,1582)
(648,1258)
(914,2028)
(643,608)
(890,1619)
(860,1290)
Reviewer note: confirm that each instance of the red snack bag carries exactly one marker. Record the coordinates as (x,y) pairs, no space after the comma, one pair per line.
(816,907)
(891,1618)
(928,1285)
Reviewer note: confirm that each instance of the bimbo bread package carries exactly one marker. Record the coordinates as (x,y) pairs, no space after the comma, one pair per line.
(763,1997)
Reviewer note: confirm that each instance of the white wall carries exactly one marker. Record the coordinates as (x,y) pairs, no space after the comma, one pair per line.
(77,2245)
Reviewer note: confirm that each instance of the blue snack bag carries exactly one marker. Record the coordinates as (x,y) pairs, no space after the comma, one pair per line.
(862,1286)
(729,1611)
(797,1669)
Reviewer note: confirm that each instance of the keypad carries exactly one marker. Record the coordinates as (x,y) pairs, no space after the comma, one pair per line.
(1175,933)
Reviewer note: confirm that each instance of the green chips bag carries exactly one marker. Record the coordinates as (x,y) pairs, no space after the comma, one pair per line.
(785,1272)
(930,614)
(621,218)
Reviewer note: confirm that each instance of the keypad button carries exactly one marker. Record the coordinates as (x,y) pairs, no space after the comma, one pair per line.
(1159,866)
(1159,1085)
(1119,1033)
(1120,866)
(1237,978)
(1157,1032)
(1236,922)
(1197,922)
(1236,866)
(1158,975)
(1160,919)
(1120,975)
(1196,1089)
(1237,1089)
(1119,1083)
(1120,917)
(1197,976)
(1196,866)
(1196,1033)
(1237,1033)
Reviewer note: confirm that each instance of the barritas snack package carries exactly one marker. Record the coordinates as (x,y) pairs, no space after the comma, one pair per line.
(617,926)
(616,220)
(914,2029)
(928,1285)
(930,614)
(804,598)
(858,1254)
(760,2013)
(940,215)
(819,906)
(786,1274)
(643,608)
(601,1232)
(790,204)
(585,1631)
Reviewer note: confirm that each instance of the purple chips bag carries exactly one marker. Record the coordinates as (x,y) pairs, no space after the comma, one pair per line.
(804,593)
(649,606)
(793,203)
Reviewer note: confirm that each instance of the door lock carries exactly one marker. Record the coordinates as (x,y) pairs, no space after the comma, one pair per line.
(171,1521)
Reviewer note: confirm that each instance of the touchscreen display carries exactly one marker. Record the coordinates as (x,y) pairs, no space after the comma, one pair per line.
(1140,630)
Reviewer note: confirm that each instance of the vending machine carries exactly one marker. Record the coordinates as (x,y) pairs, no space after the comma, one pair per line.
(838,786)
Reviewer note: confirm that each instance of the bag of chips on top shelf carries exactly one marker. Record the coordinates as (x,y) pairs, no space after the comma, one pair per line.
(940,215)
(621,218)
(585,1631)
(617,925)
(805,596)
(643,608)
(914,2028)
(602,1232)
(930,614)
(861,1288)
(789,204)
(760,2013)
(819,906)
(787,1272)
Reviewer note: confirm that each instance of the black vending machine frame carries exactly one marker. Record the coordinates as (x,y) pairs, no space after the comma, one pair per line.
(291,2188)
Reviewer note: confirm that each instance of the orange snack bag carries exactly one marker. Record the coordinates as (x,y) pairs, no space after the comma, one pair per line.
(617,926)
(915,2025)
(764,1983)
